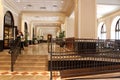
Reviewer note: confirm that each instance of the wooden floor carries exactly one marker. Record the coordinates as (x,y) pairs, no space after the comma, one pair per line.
(41,49)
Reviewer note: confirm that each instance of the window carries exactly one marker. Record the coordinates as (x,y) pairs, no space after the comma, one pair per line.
(103,32)
(117,30)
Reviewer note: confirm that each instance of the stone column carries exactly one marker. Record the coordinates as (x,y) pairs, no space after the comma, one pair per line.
(76,19)
(85,18)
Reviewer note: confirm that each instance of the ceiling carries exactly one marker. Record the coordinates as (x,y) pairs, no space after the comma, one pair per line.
(56,10)
(105,7)
(48,15)
(44,5)
(48,10)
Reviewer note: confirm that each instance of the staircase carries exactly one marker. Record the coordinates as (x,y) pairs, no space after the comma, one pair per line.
(5,62)
(31,63)
(24,63)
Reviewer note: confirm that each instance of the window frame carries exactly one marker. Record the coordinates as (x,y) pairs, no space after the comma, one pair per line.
(103,31)
(117,29)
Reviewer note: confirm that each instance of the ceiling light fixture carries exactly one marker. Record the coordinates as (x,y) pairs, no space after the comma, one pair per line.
(29,5)
(62,1)
(55,5)
(42,7)
(36,16)
(24,7)
(17,0)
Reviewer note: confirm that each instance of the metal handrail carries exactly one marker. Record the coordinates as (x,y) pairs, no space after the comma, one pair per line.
(94,53)
(15,50)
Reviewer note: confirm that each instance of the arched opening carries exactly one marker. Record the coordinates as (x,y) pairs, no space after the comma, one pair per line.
(8,29)
(26,33)
(49,37)
(33,36)
(117,30)
(102,31)
(113,27)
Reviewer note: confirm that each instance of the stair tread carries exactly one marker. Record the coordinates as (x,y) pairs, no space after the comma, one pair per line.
(37,56)
(5,66)
(5,61)
(31,64)
(25,63)
(32,58)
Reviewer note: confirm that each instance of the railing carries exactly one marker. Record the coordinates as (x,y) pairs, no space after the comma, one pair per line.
(15,50)
(84,57)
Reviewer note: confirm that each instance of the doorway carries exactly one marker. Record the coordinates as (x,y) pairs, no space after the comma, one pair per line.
(8,29)
(49,37)
(26,34)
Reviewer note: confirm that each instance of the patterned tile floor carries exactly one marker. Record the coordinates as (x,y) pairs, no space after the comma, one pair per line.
(45,75)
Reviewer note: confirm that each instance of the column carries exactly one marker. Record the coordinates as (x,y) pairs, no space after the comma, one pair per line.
(85,18)
(76,19)
(1,25)
(1,19)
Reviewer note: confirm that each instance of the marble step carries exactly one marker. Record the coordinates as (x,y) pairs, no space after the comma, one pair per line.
(5,57)
(30,64)
(25,63)
(33,57)
(5,68)
(5,63)
(31,61)
(32,68)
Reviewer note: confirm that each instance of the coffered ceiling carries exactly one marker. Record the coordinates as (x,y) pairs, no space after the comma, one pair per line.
(44,10)
(44,5)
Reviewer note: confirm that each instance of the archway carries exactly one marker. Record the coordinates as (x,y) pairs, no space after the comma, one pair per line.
(113,27)
(33,36)
(26,33)
(49,37)
(8,29)
(101,31)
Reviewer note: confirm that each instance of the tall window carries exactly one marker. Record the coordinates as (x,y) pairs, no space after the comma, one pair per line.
(103,32)
(117,30)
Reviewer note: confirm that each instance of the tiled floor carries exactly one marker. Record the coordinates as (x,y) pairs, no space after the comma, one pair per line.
(45,75)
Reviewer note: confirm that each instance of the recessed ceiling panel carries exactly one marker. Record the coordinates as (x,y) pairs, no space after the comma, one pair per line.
(43,5)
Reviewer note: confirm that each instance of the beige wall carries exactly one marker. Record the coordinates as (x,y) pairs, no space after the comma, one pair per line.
(70,26)
(76,19)
(108,19)
(13,10)
(4,7)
